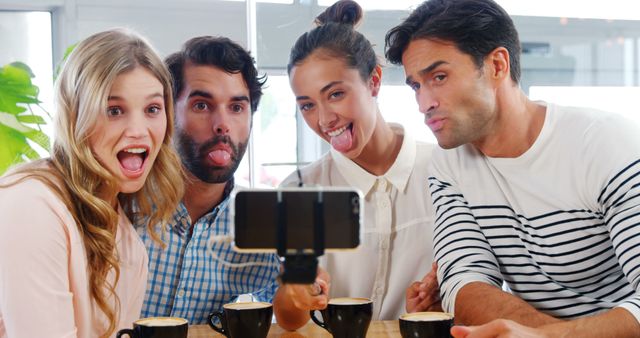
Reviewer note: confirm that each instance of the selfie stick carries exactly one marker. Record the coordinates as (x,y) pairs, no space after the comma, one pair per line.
(300,266)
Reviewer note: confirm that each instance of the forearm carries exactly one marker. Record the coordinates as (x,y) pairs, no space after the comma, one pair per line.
(478,303)
(288,316)
(617,323)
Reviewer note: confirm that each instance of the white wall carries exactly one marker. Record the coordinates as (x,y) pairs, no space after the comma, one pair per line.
(166,23)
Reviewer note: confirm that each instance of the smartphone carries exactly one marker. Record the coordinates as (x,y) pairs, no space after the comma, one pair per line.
(257,213)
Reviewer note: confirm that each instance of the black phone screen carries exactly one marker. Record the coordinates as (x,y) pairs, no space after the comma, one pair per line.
(256,215)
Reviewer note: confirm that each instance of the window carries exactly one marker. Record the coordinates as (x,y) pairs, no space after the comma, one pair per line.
(573,51)
(274,133)
(26,37)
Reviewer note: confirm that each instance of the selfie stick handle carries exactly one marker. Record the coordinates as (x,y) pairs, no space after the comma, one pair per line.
(281,223)
(300,267)
(318,226)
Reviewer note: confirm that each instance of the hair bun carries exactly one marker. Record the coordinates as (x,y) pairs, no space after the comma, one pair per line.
(343,11)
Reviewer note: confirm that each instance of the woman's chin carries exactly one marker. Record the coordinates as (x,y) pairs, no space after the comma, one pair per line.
(352,153)
(130,186)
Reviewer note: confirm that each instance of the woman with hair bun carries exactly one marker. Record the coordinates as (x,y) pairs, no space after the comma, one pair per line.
(335,76)
(71,264)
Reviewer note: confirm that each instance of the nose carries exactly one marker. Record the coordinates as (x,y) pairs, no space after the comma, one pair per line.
(426,101)
(220,123)
(137,126)
(327,117)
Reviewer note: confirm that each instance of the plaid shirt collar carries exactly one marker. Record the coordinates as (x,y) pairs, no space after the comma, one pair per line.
(181,217)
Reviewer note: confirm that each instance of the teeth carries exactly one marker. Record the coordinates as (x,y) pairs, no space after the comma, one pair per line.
(337,132)
(135,150)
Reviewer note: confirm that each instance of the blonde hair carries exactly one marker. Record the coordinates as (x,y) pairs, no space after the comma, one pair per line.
(82,91)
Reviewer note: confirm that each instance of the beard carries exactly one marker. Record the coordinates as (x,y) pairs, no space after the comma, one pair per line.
(194,155)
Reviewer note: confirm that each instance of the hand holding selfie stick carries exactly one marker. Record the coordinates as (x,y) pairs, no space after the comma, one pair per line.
(300,266)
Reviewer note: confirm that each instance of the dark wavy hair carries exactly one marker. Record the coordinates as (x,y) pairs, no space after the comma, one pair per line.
(218,52)
(476,27)
(335,34)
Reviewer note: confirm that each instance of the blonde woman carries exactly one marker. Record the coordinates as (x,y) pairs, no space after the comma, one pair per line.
(71,264)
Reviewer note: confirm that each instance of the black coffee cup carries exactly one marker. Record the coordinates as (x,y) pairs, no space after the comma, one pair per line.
(157,327)
(426,325)
(243,320)
(346,317)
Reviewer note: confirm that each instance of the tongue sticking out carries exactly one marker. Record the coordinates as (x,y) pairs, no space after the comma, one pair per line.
(220,157)
(342,142)
(129,161)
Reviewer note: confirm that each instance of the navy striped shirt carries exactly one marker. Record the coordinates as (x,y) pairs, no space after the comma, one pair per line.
(558,224)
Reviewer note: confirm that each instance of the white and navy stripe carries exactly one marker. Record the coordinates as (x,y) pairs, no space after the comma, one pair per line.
(567,263)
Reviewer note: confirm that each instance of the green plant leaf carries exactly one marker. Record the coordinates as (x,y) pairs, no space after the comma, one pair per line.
(35,119)
(17,138)
(16,88)
(39,138)
(11,121)
(30,153)
(24,67)
(14,145)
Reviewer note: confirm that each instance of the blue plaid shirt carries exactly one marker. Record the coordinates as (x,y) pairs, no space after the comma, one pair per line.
(184,281)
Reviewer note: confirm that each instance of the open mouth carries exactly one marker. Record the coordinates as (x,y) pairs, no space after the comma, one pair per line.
(342,138)
(340,130)
(132,159)
(220,157)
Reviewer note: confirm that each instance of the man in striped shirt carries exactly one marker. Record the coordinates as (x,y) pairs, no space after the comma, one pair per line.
(216,91)
(543,198)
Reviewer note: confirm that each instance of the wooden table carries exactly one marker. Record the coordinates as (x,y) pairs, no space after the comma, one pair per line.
(377,329)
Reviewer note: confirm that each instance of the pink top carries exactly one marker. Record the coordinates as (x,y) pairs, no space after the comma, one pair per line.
(44,289)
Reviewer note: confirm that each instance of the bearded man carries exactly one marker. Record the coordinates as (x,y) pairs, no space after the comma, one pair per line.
(216,91)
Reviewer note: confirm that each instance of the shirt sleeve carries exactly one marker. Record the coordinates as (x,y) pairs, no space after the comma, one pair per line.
(266,293)
(460,248)
(35,296)
(615,163)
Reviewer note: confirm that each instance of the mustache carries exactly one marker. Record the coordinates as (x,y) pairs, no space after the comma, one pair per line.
(431,113)
(210,143)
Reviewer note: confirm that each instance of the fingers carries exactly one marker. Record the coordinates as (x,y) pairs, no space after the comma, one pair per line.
(418,300)
(430,276)
(308,296)
(427,289)
(316,303)
(314,289)
(324,275)
(436,307)
(430,280)
(324,286)
(496,328)
(412,297)
(424,295)
(460,331)
(427,304)
(413,290)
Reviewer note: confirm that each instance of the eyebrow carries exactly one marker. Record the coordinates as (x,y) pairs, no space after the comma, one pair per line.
(150,96)
(240,98)
(426,70)
(322,90)
(207,95)
(200,93)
